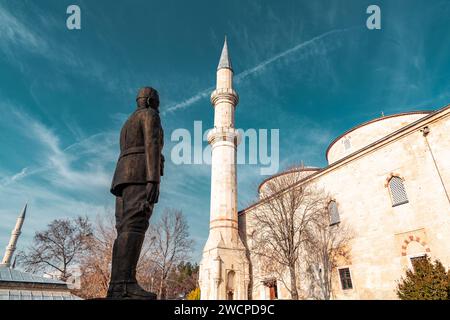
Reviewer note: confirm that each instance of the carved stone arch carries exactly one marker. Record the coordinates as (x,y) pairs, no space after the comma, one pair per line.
(412,238)
(392,175)
(329,200)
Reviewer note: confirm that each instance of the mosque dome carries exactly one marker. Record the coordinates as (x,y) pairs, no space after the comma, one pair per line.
(351,141)
(297,175)
(368,132)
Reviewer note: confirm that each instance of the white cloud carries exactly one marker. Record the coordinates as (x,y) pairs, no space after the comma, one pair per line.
(21,32)
(58,182)
(44,205)
(93,155)
(15,32)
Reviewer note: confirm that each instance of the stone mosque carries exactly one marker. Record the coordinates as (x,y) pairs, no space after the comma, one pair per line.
(389,179)
(19,285)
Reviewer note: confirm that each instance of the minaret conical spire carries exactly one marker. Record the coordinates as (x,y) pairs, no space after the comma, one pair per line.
(14,238)
(225,61)
(24,211)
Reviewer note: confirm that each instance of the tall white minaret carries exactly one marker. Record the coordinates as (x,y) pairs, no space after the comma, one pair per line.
(6,262)
(224,267)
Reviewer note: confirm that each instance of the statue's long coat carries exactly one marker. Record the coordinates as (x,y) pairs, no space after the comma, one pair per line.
(141,143)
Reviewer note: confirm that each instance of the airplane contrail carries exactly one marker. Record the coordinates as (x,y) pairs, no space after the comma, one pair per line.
(240,76)
(187,102)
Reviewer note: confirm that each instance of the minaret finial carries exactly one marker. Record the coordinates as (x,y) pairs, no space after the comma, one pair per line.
(14,238)
(225,61)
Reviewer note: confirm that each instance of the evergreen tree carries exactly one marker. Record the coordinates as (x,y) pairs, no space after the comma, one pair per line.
(428,281)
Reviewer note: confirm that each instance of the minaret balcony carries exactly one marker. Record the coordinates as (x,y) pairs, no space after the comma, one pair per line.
(224,95)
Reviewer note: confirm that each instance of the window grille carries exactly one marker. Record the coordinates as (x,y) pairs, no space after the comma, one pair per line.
(334,213)
(398,192)
(346,278)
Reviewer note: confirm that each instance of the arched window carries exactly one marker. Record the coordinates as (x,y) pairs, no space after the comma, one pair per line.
(334,213)
(397,190)
(230,285)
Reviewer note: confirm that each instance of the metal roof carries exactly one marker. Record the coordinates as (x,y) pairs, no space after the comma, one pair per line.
(6,294)
(14,275)
(19,285)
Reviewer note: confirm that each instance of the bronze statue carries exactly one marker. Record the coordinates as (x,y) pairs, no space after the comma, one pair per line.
(136,187)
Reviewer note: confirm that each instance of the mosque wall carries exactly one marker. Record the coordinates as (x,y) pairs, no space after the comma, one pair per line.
(385,235)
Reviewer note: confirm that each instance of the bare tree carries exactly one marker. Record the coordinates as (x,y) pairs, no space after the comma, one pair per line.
(165,246)
(326,246)
(281,222)
(181,280)
(171,245)
(95,263)
(57,248)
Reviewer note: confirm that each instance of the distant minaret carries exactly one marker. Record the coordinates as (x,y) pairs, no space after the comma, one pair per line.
(223,270)
(13,240)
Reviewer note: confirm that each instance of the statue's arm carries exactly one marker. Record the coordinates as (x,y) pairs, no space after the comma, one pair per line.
(153,146)
(162,156)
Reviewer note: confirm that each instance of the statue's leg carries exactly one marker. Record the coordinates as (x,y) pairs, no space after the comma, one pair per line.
(132,223)
(116,258)
(119,213)
(135,214)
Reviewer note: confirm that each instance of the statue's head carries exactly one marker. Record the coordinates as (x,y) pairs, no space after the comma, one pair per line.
(147,97)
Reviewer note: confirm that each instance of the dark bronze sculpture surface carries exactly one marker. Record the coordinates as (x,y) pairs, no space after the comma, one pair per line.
(136,187)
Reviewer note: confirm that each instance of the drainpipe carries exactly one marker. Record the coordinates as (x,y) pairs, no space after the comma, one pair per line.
(425,131)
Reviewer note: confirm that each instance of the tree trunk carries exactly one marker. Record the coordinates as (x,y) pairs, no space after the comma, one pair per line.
(162,294)
(161,285)
(326,284)
(294,291)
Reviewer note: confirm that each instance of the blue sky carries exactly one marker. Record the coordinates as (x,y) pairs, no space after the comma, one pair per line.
(309,68)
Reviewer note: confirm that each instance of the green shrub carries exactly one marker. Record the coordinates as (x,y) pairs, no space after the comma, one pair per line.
(428,281)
